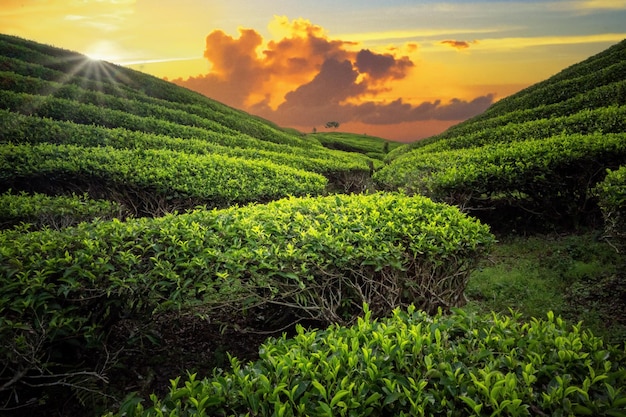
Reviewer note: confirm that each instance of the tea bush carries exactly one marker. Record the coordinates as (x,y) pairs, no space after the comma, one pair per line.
(148,181)
(612,200)
(549,179)
(334,165)
(314,258)
(40,210)
(412,364)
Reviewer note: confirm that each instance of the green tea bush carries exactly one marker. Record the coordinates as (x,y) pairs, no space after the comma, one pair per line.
(336,166)
(611,193)
(555,90)
(151,182)
(603,120)
(589,103)
(313,258)
(549,179)
(40,210)
(412,364)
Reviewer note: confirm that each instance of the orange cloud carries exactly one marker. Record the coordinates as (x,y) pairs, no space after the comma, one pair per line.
(306,79)
(459,44)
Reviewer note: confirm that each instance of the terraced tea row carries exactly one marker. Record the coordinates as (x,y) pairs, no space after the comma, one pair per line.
(20,129)
(130,101)
(550,178)
(150,182)
(40,210)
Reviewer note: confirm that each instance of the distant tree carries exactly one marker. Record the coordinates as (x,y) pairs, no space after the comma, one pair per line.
(332,124)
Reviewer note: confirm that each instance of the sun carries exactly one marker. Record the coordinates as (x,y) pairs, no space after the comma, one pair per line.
(103,51)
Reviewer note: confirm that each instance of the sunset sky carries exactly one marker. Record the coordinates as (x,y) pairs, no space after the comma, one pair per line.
(399,69)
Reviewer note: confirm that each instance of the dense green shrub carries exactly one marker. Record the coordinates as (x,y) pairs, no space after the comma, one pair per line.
(550,178)
(586,104)
(611,193)
(41,210)
(320,258)
(334,165)
(602,120)
(562,90)
(412,364)
(151,181)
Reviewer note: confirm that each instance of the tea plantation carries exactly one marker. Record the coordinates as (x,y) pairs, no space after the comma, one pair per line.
(162,254)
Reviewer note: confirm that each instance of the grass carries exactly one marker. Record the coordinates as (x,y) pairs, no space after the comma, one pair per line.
(372,146)
(579,277)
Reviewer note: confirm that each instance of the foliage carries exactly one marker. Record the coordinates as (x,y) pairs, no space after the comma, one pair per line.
(612,195)
(550,178)
(40,210)
(412,364)
(61,291)
(18,129)
(152,181)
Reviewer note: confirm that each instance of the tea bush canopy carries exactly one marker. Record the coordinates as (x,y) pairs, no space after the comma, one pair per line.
(411,364)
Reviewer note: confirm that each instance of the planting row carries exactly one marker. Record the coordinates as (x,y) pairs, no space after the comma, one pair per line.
(411,364)
(150,181)
(40,210)
(602,120)
(62,109)
(611,95)
(144,106)
(16,128)
(555,90)
(549,177)
(316,258)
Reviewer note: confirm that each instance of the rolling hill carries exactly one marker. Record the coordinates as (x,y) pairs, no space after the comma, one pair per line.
(532,158)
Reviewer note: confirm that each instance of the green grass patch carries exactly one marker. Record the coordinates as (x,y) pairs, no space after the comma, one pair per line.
(350,142)
(576,276)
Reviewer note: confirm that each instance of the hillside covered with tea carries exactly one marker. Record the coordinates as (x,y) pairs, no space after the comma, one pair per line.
(152,239)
